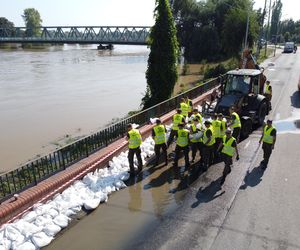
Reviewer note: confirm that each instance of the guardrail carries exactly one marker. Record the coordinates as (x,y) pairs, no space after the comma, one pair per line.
(37,170)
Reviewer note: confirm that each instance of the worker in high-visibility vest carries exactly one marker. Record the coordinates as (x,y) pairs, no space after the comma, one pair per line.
(184,108)
(134,142)
(189,102)
(268,138)
(268,93)
(223,124)
(229,147)
(196,138)
(208,145)
(177,118)
(159,135)
(235,124)
(182,144)
(216,124)
(196,114)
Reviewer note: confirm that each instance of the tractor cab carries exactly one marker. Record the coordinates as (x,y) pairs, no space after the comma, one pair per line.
(243,88)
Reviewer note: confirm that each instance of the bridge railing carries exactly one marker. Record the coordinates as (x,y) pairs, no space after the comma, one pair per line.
(88,34)
(37,170)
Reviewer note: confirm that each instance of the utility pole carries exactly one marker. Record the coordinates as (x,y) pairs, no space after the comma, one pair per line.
(261,30)
(267,35)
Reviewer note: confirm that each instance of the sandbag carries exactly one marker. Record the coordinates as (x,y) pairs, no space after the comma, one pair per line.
(52,229)
(61,220)
(28,245)
(41,239)
(91,204)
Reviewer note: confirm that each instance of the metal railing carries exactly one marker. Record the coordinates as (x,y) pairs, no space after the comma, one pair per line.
(136,35)
(37,170)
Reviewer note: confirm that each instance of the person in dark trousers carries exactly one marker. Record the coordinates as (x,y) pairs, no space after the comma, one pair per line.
(235,124)
(268,138)
(134,142)
(177,118)
(182,144)
(268,93)
(159,135)
(228,146)
(208,145)
(196,140)
(216,125)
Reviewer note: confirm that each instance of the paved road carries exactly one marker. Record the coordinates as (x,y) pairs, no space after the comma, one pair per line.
(164,209)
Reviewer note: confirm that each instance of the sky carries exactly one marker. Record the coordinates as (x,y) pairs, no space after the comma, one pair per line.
(103,12)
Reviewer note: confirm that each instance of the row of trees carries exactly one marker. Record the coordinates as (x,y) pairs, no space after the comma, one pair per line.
(32,20)
(214,29)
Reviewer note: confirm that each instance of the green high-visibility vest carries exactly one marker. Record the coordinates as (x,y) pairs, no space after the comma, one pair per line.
(177,118)
(217,128)
(223,128)
(135,138)
(268,138)
(237,121)
(267,89)
(184,109)
(227,146)
(194,129)
(182,138)
(160,134)
(205,138)
(198,115)
(190,105)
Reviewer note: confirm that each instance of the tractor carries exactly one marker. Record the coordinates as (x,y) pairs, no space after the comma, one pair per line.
(243,88)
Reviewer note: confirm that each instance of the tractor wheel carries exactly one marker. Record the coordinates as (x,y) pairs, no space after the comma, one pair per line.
(262,112)
(246,128)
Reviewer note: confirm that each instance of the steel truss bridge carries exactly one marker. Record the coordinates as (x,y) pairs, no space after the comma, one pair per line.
(131,35)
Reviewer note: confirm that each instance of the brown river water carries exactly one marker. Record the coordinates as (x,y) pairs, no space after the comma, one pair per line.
(50,97)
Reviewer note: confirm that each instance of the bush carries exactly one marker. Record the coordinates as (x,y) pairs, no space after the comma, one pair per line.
(215,71)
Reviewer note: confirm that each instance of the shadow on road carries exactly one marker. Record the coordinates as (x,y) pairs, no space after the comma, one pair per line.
(209,193)
(253,178)
(295,99)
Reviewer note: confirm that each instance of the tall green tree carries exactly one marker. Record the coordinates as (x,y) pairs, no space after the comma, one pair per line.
(161,73)
(276,15)
(9,26)
(32,21)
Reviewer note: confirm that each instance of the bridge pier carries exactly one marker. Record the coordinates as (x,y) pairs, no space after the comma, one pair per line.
(105,47)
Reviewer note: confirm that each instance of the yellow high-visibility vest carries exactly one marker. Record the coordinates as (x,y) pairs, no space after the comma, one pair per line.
(190,105)
(198,115)
(268,138)
(135,138)
(194,129)
(227,146)
(237,121)
(216,124)
(184,109)
(267,89)
(177,118)
(160,134)
(183,138)
(223,127)
(205,138)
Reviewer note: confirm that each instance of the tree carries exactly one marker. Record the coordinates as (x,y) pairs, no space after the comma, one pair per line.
(161,73)
(7,25)
(234,31)
(276,15)
(32,21)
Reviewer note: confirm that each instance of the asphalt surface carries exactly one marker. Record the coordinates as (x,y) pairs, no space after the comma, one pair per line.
(255,209)
(167,209)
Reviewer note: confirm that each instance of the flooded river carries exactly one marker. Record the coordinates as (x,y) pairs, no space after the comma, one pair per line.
(53,96)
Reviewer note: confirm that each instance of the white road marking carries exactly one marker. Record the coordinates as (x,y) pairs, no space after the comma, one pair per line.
(277,117)
(247,144)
